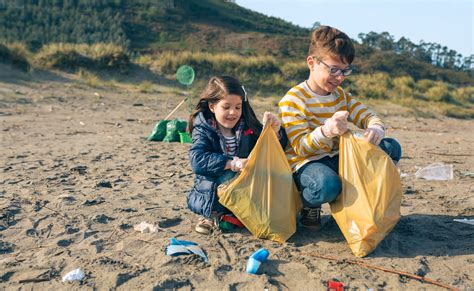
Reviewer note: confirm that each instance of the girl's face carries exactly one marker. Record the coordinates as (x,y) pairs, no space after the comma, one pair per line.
(228,112)
(320,79)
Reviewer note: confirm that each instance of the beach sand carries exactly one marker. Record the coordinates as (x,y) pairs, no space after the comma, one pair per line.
(77,174)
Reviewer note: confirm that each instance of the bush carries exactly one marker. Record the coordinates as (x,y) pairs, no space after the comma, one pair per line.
(376,86)
(459,112)
(464,95)
(403,87)
(92,57)
(297,71)
(249,70)
(15,56)
(146,87)
(440,92)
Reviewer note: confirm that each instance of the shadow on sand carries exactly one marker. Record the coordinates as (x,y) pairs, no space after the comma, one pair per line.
(414,235)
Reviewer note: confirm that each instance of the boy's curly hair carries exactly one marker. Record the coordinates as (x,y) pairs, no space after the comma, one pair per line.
(329,41)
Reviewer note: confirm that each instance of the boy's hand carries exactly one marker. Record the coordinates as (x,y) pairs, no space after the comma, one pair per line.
(270,119)
(374,134)
(336,125)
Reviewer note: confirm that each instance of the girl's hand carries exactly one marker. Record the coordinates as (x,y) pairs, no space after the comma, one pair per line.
(374,134)
(270,119)
(238,164)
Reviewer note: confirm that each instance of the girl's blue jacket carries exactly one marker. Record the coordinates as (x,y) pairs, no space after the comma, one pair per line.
(208,159)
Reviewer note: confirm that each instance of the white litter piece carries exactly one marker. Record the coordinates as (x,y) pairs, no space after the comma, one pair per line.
(465,220)
(436,171)
(74,275)
(403,175)
(145,227)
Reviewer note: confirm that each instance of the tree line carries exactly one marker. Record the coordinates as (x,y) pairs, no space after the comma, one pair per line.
(39,22)
(428,52)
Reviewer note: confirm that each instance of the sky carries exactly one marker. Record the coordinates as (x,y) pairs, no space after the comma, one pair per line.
(447,22)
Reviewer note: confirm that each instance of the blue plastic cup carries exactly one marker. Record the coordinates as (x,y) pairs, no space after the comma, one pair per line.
(256,259)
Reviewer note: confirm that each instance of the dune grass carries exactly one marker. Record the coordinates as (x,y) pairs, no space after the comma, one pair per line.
(16,55)
(262,75)
(72,57)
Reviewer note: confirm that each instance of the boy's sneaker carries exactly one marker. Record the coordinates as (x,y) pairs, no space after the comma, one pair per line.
(311,218)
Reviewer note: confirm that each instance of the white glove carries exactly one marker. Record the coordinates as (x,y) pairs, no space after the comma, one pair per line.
(374,134)
(336,125)
(238,164)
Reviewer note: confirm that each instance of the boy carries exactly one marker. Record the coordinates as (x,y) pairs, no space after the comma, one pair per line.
(315,113)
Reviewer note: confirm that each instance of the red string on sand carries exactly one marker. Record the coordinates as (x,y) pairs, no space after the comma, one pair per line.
(402,273)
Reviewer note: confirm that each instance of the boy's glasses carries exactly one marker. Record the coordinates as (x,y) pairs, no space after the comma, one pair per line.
(334,71)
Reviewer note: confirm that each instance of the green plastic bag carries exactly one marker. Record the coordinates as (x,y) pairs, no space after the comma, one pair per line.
(173,128)
(159,132)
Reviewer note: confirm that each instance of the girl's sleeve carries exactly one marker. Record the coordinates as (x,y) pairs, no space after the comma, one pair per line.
(203,160)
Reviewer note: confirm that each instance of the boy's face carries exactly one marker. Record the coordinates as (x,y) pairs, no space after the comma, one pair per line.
(321,81)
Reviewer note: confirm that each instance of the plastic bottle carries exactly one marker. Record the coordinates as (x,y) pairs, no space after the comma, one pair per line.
(436,171)
(256,259)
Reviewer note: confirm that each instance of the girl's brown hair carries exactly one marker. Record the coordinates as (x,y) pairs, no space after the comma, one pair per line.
(218,88)
(329,41)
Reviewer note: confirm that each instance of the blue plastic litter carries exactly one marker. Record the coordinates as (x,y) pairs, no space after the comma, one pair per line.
(256,259)
(183,247)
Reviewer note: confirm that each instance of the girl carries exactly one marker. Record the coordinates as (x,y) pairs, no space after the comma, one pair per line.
(224,131)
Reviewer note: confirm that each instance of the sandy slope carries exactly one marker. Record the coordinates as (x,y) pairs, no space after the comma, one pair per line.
(77,174)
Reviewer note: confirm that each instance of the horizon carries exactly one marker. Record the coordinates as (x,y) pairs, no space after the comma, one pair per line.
(383,17)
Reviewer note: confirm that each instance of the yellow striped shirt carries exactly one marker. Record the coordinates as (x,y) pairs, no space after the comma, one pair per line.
(303,112)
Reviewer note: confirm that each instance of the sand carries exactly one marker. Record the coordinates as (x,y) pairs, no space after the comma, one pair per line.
(77,174)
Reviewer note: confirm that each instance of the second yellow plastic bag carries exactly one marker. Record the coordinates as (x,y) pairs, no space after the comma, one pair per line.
(369,205)
(264,197)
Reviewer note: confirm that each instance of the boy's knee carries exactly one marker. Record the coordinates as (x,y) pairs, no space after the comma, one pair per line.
(392,147)
(322,191)
(331,189)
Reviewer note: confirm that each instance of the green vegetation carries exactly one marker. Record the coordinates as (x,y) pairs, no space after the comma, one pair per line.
(212,26)
(427,96)
(250,70)
(14,55)
(265,53)
(71,57)
(268,76)
(39,22)
(146,87)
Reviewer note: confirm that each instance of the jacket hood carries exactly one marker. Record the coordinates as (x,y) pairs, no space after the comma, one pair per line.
(200,120)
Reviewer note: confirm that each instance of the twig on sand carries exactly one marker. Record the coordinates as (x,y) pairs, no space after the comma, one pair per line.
(113,232)
(62,214)
(151,208)
(393,271)
(46,276)
(35,280)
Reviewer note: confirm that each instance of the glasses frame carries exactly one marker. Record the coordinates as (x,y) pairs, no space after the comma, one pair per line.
(334,71)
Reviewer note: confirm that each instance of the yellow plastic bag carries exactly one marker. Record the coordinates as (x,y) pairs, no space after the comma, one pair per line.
(264,196)
(369,205)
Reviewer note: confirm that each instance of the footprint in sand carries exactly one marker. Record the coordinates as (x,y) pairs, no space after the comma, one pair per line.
(169,222)
(173,284)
